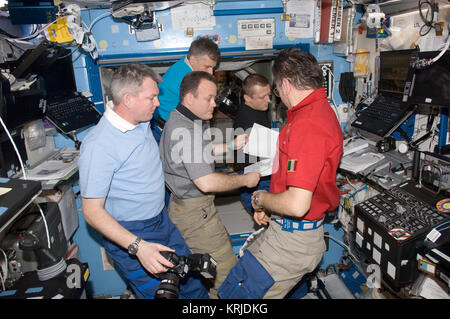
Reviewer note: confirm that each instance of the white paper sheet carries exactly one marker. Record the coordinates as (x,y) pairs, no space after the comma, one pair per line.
(197,16)
(300,24)
(263,167)
(259,43)
(57,167)
(262,142)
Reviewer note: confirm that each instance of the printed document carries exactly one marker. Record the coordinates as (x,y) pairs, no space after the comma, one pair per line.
(262,142)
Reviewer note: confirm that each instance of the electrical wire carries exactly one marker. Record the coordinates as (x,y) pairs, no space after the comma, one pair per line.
(343,245)
(25,177)
(427,22)
(98,19)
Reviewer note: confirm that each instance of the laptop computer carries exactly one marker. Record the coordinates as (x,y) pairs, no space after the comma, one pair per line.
(65,107)
(388,110)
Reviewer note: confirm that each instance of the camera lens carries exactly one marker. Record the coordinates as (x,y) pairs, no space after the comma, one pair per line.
(168,289)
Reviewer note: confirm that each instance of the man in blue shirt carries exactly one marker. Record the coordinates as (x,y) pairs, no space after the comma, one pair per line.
(122,185)
(203,55)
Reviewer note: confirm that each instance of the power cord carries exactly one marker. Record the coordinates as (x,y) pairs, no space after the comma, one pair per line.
(428,22)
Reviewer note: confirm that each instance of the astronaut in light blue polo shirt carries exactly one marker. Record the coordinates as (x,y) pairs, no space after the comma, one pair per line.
(203,55)
(122,185)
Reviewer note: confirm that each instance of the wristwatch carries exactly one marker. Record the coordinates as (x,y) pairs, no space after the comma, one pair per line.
(133,248)
(255,200)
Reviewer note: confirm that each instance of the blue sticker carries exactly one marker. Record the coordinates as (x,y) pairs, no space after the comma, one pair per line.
(2,210)
(34,290)
(4,180)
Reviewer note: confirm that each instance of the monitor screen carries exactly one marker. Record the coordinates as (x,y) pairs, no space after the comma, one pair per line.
(394,67)
(430,84)
(60,78)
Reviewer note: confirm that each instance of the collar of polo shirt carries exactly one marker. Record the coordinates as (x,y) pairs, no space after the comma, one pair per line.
(116,120)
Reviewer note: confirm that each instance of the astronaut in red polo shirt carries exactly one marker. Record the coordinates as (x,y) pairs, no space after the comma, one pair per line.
(303,187)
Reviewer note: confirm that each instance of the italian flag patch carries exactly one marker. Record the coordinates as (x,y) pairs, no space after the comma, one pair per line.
(292,165)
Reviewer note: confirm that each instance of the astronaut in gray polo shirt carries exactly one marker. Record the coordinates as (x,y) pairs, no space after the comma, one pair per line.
(187,154)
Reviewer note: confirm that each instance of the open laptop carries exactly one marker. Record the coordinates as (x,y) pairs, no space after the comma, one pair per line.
(388,110)
(67,109)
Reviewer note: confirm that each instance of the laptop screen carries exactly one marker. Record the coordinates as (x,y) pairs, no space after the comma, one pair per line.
(394,66)
(60,78)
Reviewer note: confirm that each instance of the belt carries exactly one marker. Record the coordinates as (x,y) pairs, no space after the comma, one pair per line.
(289,225)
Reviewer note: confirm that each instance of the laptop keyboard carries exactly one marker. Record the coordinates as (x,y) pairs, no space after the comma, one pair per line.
(72,113)
(384,110)
(382,116)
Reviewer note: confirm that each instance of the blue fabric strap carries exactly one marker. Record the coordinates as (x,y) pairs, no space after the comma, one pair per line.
(289,225)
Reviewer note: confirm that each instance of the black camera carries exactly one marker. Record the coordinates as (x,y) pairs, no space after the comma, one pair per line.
(170,280)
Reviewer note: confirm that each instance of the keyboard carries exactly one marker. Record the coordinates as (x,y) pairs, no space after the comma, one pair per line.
(72,113)
(383,116)
(386,111)
(392,225)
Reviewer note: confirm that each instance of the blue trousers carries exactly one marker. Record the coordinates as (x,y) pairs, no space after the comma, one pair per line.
(157,230)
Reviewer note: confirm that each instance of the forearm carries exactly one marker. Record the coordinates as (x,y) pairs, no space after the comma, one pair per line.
(148,252)
(105,224)
(293,202)
(219,149)
(236,144)
(219,182)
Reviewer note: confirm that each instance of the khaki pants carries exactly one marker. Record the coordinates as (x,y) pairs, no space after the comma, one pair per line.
(286,256)
(203,231)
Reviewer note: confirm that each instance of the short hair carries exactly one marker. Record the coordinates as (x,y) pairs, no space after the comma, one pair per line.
(191,82)
(252,80)
(129,78)
(204,46)
(299,67)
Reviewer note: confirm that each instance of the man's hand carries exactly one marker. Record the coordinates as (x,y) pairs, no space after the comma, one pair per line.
(252,179)
(151,259)
(261,217)
(240,141)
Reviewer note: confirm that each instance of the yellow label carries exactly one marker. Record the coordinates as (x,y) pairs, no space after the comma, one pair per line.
(86,275)
(59,32)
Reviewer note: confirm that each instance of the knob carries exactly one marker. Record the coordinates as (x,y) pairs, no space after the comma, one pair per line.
(382,219)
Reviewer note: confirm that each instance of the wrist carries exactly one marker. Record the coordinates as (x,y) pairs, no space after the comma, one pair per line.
(257,202)
(133,248)
(230,145)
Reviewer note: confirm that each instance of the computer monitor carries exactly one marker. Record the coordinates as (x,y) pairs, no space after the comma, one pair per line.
(394,66)
(60,78)
(430,84)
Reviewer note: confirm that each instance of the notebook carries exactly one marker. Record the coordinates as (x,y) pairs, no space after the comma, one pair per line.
(388,110)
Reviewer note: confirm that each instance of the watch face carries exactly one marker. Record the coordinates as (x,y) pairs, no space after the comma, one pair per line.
(132,249)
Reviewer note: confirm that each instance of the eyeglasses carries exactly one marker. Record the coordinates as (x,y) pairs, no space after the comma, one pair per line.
(275,92)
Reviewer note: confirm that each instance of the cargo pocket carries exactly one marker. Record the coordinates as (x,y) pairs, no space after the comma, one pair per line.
(247,280)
